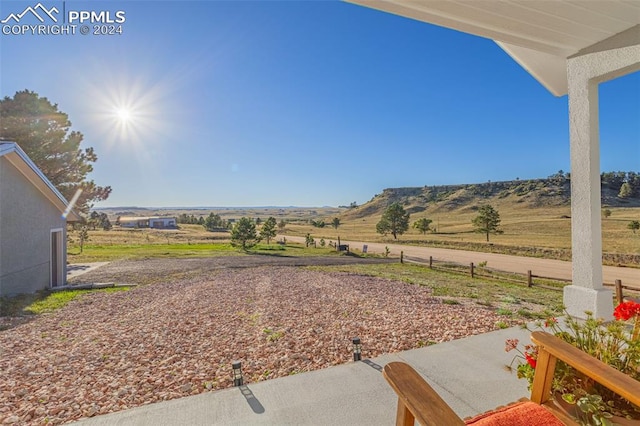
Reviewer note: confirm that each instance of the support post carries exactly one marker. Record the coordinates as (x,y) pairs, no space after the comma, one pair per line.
(430,262)
(401,256)
(611,58)
(529,278)
(472,274)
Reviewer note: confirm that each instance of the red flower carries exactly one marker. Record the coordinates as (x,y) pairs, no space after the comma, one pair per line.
(627,310)
(531,360)
(550,321)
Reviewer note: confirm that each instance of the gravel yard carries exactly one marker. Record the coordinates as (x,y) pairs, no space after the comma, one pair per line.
(177,337)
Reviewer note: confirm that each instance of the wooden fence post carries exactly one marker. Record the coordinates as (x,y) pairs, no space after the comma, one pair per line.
(472,275)
(619,296)
(402,257)
(430,262)
(529,279)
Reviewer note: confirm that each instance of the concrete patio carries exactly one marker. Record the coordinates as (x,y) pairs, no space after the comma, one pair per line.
(469,374)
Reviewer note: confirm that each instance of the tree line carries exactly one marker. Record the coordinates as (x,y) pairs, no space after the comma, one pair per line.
(627,184)
(395,221)
(245,235)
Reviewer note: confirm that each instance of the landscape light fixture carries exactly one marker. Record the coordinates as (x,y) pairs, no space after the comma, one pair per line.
(357,349)
(237,373)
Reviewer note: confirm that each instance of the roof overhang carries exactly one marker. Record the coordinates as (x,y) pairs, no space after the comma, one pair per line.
(21,161)
(539,35)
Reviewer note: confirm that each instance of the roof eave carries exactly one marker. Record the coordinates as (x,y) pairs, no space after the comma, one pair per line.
(558,31)
(548,70)
(16,155)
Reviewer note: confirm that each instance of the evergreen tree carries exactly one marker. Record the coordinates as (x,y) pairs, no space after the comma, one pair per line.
(488,221)
(268,229)
(395,220)
(104,222)
(94,220)
(213,222)
(45,134)
(423,225)
(244,234)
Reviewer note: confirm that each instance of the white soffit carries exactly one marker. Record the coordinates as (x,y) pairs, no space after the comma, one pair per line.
(538,34)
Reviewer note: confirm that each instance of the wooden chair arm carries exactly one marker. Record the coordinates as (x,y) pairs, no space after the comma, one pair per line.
(416,399)
(551,348)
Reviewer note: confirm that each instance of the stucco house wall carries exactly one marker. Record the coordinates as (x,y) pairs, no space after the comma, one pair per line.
(27,220)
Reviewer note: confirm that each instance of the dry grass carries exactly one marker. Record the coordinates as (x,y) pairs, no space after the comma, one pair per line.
(542,228)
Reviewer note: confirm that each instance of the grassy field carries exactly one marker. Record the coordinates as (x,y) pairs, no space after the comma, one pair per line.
(506,298)
(541,231)
(188,241)
(548,228)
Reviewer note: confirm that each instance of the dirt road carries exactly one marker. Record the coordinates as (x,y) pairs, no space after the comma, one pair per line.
(519,264)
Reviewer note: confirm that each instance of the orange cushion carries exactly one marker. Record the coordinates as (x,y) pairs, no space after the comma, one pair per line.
(524,413)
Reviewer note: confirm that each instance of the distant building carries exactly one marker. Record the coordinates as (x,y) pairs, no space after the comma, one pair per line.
(148,222)
(33,229)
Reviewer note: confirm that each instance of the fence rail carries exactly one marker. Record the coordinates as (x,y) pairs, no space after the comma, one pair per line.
(527,279)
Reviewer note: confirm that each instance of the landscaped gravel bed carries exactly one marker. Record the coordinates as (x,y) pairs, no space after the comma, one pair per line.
(111,351)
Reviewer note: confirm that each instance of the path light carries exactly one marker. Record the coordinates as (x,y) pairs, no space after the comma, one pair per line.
(357,349)
(237,373)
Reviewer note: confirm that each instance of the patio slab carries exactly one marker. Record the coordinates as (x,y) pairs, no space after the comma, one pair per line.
(77,269)
(468,373)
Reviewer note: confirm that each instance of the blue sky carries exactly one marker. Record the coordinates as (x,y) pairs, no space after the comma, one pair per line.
(299,103)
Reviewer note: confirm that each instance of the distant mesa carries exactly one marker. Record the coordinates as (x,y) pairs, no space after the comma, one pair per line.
(554,191)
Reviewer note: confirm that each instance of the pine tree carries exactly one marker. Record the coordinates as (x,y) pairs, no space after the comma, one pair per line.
(44,134)
(488,221)
(395,220)
(268,229)
(244,234)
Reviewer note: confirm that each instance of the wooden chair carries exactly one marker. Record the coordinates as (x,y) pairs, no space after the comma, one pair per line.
(418,401)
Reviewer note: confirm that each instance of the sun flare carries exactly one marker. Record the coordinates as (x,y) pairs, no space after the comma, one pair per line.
(127,111)
(123,115)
